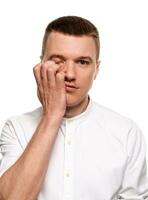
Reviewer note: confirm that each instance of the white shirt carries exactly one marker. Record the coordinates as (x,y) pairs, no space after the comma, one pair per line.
(98,155)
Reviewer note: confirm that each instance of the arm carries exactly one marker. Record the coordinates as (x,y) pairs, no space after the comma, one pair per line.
(135,180)
(24,179)
(20,181)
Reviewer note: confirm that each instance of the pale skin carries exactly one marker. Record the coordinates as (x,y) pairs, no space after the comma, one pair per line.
(58,101)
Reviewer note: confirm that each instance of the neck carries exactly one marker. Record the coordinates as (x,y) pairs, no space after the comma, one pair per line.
(76,110)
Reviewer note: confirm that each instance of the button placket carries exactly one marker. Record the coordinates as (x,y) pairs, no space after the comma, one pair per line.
(68,163)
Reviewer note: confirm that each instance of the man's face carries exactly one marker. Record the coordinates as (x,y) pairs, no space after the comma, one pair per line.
(77,57)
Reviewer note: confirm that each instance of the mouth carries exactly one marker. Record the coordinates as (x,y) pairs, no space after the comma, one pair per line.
(70,88)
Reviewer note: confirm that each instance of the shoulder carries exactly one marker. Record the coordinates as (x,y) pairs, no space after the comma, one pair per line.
(27,117)
(113,122)
(22,126)
(110,116)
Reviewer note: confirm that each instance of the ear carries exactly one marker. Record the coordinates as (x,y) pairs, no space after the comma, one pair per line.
(97,68)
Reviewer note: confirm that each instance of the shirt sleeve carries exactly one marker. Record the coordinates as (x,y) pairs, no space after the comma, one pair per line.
(10,147)
(135,180)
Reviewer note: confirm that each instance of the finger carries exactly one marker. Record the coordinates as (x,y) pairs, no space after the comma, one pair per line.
(51,77)
(36,71)
(48,69)
(37,74)
(39,95)
(43,75)
(52,69)
(60,81)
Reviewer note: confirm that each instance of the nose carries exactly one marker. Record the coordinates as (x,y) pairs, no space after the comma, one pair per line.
(69,69)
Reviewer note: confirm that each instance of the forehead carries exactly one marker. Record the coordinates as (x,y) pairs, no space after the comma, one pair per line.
(69,45)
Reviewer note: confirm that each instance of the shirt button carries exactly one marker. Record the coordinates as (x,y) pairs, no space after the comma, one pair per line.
(68,142)
(67,174)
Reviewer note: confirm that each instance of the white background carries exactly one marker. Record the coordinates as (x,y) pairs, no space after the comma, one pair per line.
(123,79)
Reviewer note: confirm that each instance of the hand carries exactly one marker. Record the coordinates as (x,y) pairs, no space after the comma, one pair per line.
(51,88)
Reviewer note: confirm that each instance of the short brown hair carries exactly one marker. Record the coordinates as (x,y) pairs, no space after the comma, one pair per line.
(72,25)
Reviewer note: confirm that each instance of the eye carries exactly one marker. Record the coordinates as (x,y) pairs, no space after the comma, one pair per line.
(83,62)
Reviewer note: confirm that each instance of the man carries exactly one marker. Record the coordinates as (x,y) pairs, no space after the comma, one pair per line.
(71,148)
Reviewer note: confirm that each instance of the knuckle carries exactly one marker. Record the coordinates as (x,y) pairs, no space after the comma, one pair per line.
(50,62)
(50,70)
(35,69)
(60,75)
(52,86)
(44,65)
(39,85)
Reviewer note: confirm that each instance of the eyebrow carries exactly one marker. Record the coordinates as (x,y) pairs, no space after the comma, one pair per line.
(63,58)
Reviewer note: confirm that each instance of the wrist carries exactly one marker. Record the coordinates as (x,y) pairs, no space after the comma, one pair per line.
(52,119)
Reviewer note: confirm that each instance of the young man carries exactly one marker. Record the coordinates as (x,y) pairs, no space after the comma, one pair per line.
(71,148)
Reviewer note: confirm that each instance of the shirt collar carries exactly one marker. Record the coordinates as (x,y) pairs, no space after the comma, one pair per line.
(76,118)
(80,116)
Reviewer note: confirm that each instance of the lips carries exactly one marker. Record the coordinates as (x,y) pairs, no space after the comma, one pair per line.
(70,88)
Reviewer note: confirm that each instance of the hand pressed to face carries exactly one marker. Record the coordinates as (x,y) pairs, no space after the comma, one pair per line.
(51,88)
(68,69)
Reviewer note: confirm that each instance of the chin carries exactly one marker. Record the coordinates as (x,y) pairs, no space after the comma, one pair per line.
(72,101)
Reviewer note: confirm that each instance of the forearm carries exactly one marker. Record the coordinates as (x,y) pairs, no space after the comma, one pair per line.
(24,179)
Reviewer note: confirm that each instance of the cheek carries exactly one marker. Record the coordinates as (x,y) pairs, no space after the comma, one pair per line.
(86,79)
